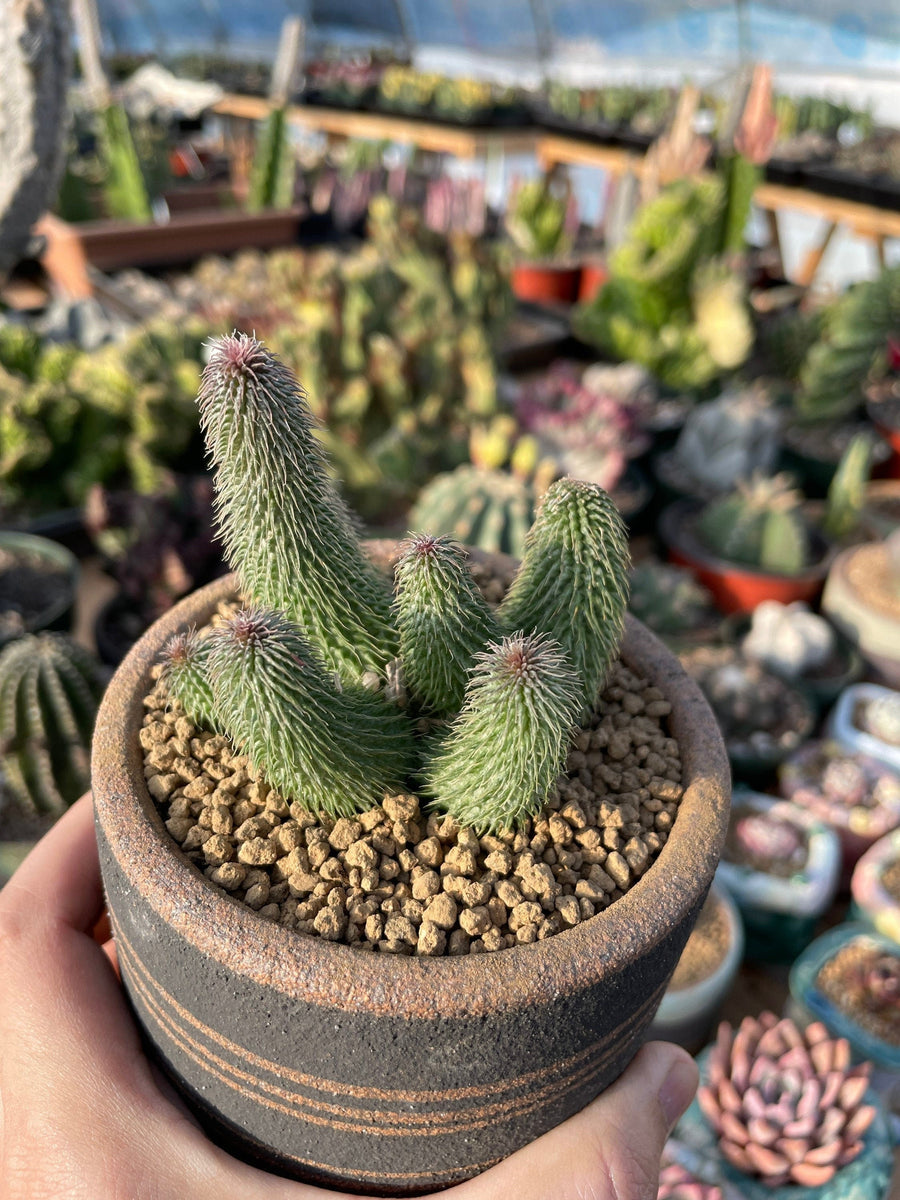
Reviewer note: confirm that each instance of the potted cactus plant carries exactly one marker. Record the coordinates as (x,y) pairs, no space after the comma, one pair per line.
(670,601)
(866,721)
(750,545)
(782,1113)
(862,598)
(541,223)
(263,850)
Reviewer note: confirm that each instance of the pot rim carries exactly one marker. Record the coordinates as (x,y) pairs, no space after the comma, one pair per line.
(676,528)
(331,973)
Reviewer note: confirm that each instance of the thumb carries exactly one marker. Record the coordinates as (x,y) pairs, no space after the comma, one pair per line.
(608,1151)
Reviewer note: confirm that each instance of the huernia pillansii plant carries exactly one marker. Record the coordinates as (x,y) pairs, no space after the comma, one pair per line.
(339,690)
(786,1104)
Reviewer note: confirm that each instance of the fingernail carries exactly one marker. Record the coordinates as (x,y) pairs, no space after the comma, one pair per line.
(678,1090)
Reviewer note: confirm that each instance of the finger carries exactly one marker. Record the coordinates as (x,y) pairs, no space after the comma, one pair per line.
(608,1151)
(60,878)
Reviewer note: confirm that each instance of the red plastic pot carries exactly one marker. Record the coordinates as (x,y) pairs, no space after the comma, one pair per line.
(737,588)
(593,276)
(544,283)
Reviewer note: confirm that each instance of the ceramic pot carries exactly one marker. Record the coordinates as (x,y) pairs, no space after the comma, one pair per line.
(843,728)
(737,588)
(780,912)
(57,614)
(874,630)
(379,1073)
(686,1014)
(872,902)
(545,283)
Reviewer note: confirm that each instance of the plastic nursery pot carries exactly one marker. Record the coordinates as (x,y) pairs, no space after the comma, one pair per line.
(736,588)
(858,826)
(843,726)
(380,1073)
(594,274)
(49,606)
(545,283)
(868,1177)
(875,630)
(780,910)
(686,1014)
(872,902)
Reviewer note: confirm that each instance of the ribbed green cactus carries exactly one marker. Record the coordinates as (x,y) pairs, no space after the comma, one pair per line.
(285,529)
(489,509)
(274,165)
(186,675)
(123,185)
(760,525)
(573,582)
(49,691)
(847,491)
(332,749)
(668,599)
(443,620)
(507,747)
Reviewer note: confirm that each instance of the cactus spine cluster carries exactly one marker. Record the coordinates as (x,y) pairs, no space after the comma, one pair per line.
(49,692)
(501,693)
(760,525)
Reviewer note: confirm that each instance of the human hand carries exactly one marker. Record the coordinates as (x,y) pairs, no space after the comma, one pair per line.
(84,1116)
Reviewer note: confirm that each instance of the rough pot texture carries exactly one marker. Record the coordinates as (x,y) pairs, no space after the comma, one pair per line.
(379,1073)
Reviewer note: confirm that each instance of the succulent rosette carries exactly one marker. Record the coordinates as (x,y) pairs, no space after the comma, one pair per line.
(787,1106)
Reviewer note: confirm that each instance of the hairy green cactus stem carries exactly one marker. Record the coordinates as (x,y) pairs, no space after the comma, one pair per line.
(573,581)
(49,691)
(443,620)
(505,750)
(286,530)
(335,751)
(186,675)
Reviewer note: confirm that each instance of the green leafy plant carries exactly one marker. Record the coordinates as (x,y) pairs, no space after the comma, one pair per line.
(49,691)
(760,525)
(502,692)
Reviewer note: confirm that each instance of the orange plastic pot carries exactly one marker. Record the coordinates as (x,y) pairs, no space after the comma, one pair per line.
(544,283)
(737,588)
(593,276)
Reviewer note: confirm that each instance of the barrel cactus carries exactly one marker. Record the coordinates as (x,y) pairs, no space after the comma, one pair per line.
(489,509)
(49,691)
(786,1104)
(335,689)
(759,525)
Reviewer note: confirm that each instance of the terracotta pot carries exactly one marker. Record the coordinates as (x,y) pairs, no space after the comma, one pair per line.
(737,588)
(593,276)
(378,1073)
(110,245)
(544,283)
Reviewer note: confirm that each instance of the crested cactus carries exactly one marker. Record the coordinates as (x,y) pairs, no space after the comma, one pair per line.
(759,525)
(49,691)
(186,675)
(505,749)
(442,618)
(489,509)
(573,582)
(335,750)
(285,529)
(786,1104)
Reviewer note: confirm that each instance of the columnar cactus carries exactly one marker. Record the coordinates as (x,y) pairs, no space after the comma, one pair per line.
(285,529)
(787,1105)
(505,749)
(49,691)
(573,582)
(332,749)
(443,621)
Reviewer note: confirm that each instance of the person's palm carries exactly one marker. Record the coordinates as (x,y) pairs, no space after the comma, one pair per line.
(84,1116)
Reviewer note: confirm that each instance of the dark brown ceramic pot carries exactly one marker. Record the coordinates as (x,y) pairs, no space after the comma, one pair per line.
(378,1073)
